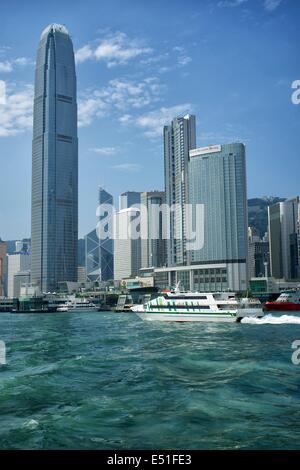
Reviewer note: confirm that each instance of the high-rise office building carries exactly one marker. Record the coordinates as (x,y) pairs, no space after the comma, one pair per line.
(283,239)
(15,263)
(127,244)
(81,252)
(129,199)
(2,268)
(298,239)
(217,184)
(92,257)
(217,177)
(152,242)
(258,255)
(54,162)
(99,254)
(106,244)
(179,139)
(81,275)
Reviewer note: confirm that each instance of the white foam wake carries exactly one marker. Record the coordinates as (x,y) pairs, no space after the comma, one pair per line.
(271,320)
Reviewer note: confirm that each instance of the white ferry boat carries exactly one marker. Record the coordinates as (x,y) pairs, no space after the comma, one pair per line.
(196,306)
(77,305)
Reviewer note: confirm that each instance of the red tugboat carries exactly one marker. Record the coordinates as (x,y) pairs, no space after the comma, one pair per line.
(287,301)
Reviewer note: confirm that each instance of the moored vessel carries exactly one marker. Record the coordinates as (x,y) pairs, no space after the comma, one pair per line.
(82,305)
(77,305)
(62,308)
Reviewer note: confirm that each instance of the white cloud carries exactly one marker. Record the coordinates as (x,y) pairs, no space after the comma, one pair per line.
(114,49)
(6,67)
(182,58)
(231,132)
(125,119)
(214,138)
(126,94)
(271,5)
(268,5)
(105,151)
(83,54)
(90,108)
(152,123)
(164,69)
(4,49)
(176,57)
(16,113)
(155,59)
(23,61)
(118,49)
(120,95)
(2,92)
(128,167)
(231,3)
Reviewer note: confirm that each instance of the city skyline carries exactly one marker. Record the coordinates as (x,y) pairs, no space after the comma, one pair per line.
(126,95)
(149,228)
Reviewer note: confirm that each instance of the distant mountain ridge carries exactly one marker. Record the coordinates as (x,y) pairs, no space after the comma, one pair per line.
(258,212)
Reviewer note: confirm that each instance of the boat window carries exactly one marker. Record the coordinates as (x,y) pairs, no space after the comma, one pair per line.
(182,297)
(178,307)
(226,306)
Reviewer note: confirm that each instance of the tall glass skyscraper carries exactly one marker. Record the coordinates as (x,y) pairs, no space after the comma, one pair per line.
(129,199)
(153,246)
(54,162)
(99,253)
(217,179)
(3,250)
(283,239)
(217,184)
(179,139)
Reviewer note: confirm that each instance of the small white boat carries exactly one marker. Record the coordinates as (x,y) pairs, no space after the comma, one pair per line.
(198,306)
(81,305)
(62,308)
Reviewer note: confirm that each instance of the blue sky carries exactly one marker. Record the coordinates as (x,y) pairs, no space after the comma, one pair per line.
(139,63)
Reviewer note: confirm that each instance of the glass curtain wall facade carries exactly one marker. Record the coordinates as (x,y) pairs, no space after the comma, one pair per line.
(106,245)
(179,138)
(217,177)
(129,199)
(127,244)
(283,239)
(2,267)
(153,247)
(92,257)
(54,162)
(99,252)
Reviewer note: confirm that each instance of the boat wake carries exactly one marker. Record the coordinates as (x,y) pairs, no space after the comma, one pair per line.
(271,320)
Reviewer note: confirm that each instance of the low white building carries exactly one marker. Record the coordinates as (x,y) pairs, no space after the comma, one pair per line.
(16,262)
(212,277)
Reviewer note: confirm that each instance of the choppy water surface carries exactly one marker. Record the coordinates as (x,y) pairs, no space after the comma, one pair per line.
(111,381)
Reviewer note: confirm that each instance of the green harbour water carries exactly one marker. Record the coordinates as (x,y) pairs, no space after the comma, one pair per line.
(111,381)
